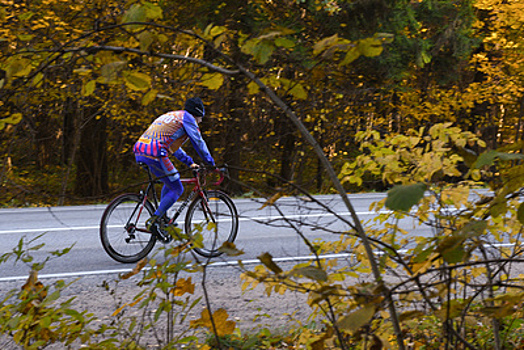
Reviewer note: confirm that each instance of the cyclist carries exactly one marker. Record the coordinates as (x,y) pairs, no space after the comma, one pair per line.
(163,138)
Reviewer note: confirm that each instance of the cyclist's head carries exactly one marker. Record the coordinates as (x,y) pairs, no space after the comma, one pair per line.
(195,106)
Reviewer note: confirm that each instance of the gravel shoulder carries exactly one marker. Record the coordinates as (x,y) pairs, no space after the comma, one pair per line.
(251,309)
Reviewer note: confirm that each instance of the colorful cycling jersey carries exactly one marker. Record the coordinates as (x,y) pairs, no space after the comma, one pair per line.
(168,133)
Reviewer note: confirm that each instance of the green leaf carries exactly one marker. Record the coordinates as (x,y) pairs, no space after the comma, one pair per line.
(137,81)
(421,254)
(135,13)
(452,247)
(357,319)
(216,30)
(488,158)
(37,80)
(25,16)
(451,309)
(25,37)
(474,228)
(454,255)
(403,197)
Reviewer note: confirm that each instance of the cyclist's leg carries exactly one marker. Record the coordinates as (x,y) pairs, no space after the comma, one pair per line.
(165,170)
(172,189)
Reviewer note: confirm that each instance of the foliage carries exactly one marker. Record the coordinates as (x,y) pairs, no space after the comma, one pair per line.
(36,316)
(454,286)
(76,103)
(446,283)
(80,81)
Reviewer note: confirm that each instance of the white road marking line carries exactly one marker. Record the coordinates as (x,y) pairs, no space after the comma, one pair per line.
(258,218)
(214,264)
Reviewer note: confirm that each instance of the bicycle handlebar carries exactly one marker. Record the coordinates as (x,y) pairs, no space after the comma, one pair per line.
(202,170)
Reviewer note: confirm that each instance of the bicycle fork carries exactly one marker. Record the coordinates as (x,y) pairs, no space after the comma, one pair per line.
(208,213)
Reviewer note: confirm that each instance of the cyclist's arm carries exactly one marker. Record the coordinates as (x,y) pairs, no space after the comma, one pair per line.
(182,156)
(195,136)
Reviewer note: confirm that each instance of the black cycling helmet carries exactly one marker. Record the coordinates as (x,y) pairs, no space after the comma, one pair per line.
(195,106)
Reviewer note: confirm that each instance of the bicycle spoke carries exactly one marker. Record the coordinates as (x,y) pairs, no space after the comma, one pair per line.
(215,219)
(123,231)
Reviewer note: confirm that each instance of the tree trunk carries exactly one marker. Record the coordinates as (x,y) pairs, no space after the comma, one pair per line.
(91,161)
(287,145)
(233,126)
(233,134)
(68,129)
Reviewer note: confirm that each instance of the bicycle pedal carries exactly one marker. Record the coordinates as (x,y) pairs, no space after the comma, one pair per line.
(164,237)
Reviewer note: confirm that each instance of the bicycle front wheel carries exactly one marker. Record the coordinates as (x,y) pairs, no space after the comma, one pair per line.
(123,230)
(215,218)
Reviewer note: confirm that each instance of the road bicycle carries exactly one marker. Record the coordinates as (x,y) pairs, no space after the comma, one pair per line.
(211,219)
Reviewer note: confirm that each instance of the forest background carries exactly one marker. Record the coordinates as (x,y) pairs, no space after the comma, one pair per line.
(80,81)
(426,95)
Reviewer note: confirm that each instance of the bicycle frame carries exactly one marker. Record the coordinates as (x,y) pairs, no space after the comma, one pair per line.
(198,189)
(211,218)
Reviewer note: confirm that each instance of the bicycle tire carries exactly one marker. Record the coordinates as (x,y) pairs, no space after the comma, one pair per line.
(118,233)
(226,228)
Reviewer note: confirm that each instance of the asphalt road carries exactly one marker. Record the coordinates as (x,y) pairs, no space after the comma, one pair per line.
(261,230)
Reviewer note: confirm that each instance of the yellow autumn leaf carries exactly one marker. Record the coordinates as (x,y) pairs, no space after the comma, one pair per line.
(137,81)
(271,200)
(146,39)
(19,67)
(222,325)
(325,43)
(184,286)
(14,118)
(230,249)
(299,92)
(33,288)
(149,97)
(267,260)
(88,88)
(119,310)
(252,88)
(139,266)
(357,319)
(370,47)
(212,81)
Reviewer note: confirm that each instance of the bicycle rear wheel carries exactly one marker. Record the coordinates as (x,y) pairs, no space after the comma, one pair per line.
(216,218)
(123,231)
